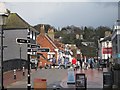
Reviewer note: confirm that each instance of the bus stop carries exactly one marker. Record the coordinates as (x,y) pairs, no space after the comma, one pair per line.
(81,81)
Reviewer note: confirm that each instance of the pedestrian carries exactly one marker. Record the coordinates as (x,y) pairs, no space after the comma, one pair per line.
(74,61)
(91,64)
(65,62)
(78,60)
(59,62)
(53,61)
(81,62)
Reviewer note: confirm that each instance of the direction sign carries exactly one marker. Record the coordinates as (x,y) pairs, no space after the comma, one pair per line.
(43,49)
(34,49)
(21,40)
(33,46)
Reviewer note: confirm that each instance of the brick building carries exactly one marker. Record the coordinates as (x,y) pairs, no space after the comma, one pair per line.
(45,41)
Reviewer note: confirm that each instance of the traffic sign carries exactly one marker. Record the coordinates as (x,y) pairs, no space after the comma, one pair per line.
(43,49)
(21,40)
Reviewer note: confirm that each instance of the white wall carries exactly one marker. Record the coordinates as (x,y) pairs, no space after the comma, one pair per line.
(13,49)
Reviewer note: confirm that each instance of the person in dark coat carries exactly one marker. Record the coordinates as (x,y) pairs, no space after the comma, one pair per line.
(53,61)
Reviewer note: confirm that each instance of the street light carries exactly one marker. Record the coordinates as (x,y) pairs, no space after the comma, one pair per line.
(107,53)
(3,18)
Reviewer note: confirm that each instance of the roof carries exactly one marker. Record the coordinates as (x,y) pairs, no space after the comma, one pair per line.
(51,41)
(33,29)
(14,21)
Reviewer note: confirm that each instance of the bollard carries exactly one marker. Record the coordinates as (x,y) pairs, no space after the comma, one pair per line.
(14,72)
(40,65)
(36,67)
(23,71)
(45,66)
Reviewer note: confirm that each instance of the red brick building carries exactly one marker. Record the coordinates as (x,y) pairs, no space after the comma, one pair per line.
(45,41)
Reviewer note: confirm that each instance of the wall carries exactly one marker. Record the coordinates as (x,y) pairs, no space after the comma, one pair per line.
(13,49)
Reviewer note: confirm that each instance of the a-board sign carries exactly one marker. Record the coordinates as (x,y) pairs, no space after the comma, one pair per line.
(80,80)
(107,79)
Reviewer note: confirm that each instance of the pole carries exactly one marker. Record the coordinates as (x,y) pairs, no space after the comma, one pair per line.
(2,86)
(107,55)
(20,59)
(28,56)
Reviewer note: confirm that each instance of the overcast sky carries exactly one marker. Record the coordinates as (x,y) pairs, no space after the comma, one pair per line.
(60,14)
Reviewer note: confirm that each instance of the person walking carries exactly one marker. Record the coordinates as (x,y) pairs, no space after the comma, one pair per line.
(80,61)
(53,61)
(74,61)
(59,61)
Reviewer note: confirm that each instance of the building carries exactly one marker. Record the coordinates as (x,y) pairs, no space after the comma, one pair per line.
(116,53)
(116,43)
(105,49)
(47,43)
(15,54)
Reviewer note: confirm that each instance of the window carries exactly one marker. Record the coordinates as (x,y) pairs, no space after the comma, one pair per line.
(30,34)
(34,36)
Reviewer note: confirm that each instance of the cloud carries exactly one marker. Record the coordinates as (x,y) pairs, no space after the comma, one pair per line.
(59,0)
(61,14)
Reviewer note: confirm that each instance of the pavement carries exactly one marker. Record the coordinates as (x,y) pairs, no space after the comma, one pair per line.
(56,78)
(8,77)
(94,79)
(53,77)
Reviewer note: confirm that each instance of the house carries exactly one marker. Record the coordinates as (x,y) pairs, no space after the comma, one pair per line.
(15,54)
(105,49)
(46,42)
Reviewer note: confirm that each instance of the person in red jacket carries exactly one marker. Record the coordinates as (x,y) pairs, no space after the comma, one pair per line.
(74,62)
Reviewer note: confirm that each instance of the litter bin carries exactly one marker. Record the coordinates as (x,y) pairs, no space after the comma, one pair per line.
(81,81)
(40,84)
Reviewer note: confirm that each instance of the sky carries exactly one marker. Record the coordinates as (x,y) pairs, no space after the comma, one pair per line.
(61,14)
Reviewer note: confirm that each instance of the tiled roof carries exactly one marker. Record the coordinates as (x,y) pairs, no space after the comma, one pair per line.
(51,41)
(14,21)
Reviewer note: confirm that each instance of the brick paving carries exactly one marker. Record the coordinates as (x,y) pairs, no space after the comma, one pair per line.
(94,79)
(8,77)
(55,77)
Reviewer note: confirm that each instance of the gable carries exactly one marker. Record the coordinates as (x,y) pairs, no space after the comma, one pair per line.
(14,21)
(44,41)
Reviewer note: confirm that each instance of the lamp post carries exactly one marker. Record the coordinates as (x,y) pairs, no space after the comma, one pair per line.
(107,53)
(3,18)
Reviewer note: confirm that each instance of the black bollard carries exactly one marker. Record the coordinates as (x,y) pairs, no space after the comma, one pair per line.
(23,71)
(14,72)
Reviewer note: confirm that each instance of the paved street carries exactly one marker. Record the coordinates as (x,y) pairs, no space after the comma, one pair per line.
(58,78)
(94,79)
(53,76)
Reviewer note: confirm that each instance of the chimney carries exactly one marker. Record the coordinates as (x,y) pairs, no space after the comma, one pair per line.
(107,33)
(51,33)
(42,30)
